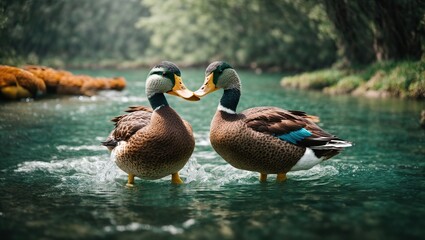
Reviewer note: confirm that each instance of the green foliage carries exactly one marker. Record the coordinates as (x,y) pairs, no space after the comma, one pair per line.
(316,80)
(368,71)
(345,85)
(399,79)
(379,30)
(60,32)
(294,35)
(277,35)
(253,33)
(404,79)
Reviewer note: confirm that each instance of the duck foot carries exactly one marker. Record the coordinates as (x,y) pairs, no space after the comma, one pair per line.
(263,177)
(281,177)
(175,178)
(130,181)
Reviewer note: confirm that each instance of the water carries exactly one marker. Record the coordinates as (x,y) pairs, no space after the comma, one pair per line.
(56,180)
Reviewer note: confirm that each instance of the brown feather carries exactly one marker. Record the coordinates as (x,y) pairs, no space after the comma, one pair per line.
(275,121)
(139,108)
(128,124)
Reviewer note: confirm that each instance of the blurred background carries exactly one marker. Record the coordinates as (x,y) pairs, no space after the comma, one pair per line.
(281,35)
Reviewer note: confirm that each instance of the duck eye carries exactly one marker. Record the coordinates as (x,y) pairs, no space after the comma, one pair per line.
(164,74)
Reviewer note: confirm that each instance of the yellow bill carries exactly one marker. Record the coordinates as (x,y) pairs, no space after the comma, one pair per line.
(181,90)
(207,87)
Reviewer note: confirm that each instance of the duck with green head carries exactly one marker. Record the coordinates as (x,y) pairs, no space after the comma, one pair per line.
(151,143)
(268,140)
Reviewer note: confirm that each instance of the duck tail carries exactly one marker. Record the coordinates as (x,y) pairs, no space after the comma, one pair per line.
(331,148)
(335,144)
(109,143)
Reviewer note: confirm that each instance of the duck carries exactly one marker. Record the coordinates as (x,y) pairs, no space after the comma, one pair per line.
(265,139)
(17,83)
(153,142)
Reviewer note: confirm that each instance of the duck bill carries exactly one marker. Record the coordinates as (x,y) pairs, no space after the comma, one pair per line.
(181,90)
(207,87)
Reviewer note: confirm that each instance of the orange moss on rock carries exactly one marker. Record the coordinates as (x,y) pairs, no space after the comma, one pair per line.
(16,83)
(50,76)
(34,80)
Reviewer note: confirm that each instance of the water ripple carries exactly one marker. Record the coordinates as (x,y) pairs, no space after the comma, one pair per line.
(135,226)
(109,96)
(78,148)
(314,173)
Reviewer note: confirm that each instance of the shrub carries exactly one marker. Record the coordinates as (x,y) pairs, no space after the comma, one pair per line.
(314,80)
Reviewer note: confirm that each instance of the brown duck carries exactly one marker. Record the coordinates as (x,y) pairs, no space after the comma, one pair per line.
(268,140)
(151,143)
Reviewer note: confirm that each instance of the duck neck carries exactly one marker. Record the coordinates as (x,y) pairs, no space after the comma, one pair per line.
(157,101)
(229,101)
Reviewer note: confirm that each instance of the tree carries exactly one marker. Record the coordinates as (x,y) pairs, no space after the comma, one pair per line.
(378,30)
(71,30)
(398,29)
(281,34)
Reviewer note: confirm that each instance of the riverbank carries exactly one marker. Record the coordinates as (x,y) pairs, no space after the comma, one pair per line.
(403,79)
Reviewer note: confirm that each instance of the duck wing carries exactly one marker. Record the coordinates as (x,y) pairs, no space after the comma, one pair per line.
(295,127)
(128,124)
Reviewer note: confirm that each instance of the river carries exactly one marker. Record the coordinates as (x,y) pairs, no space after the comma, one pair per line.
(57,181)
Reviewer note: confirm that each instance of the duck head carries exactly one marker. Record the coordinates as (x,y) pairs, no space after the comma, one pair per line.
(166,78)
(219,75)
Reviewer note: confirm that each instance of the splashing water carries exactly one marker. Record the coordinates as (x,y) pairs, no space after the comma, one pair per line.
(101,170)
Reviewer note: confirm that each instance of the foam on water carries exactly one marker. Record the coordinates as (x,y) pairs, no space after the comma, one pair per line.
(101,170)
(78,148)
(77,173)
(110,96)
(94,169)
(202,138)
(208,155)
(314,173)
(194,172)
(135,226)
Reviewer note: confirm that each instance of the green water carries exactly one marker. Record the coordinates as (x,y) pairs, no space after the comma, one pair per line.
(56,181)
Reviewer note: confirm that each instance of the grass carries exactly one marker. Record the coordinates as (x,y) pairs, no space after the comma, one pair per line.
(314,80)
(404,79)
